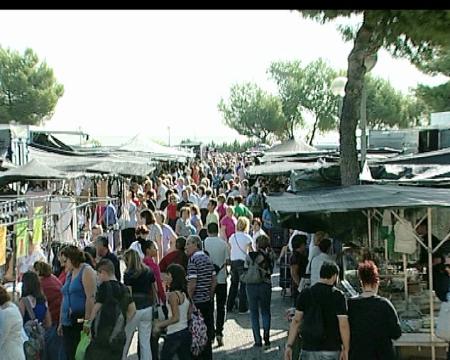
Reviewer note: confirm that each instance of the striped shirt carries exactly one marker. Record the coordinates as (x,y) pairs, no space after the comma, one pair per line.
(201,268)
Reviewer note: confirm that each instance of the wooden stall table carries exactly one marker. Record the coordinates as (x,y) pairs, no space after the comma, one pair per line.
(415,346)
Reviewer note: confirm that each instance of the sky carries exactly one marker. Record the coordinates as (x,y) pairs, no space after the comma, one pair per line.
(127,72)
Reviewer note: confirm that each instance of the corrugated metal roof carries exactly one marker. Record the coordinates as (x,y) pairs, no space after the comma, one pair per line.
(358,197)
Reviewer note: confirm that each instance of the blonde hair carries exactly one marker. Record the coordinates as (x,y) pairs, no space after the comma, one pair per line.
(133,262)
(243,224)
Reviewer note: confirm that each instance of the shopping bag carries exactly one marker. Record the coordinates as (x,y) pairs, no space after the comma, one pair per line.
(443,322)
(82,346)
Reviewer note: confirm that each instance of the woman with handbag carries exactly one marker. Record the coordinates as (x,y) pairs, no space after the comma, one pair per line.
(259,288)
(139,279)
(78,298)
(240,243)
(178,339)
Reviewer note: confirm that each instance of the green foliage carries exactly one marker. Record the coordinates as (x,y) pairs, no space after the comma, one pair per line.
(234,146)
(29,91)
(389,108)
(252,112)
(436,98)
(415,34)
(306,88)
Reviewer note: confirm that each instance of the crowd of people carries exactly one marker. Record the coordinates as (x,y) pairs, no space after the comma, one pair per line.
(184,233)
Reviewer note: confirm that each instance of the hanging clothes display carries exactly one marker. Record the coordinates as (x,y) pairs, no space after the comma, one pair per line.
(65,208)
(21,230)
(2,245)
(102,190)
(38,222)
(405,241)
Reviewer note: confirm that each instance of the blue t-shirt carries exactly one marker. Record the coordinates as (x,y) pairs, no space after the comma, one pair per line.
(74,297)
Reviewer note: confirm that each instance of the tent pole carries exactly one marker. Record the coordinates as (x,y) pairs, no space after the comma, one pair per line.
(430,280)
(369,226)
(405,267)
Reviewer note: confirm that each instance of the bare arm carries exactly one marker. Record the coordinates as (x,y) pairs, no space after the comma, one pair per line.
(22,307)
(131,310)
(192,284)
(173,302)
(344,329)
(213,286)
(96,308)
(159,244)
(295,273)
(90,286)
(223,233)
(293,333)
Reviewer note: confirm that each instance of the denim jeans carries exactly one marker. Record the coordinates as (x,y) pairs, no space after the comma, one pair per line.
(54,347)
(237,269)
(259,297)
(221,299)
(319,355)
(142,320)
(177,343)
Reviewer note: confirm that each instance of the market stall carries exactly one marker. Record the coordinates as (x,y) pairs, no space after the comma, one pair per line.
(371,199)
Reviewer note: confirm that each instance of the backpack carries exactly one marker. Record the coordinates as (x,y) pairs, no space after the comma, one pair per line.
(199,332)
(108,327)
(312,328)
(254,274)
(34,346)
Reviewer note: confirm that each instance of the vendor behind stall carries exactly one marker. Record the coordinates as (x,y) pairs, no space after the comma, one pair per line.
(444,249)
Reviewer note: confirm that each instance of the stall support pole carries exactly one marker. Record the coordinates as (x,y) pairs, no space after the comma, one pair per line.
(369,227)
(405,279)
(430,280)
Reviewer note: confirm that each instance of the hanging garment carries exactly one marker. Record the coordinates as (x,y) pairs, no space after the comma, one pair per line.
(387,218)
(64,208)
(405,241)
(2,245)
(38,222)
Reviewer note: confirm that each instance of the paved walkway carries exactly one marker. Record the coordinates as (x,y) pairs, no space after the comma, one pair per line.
(238,337)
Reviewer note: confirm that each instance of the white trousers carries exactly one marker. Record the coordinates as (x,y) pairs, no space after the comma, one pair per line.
(142,321)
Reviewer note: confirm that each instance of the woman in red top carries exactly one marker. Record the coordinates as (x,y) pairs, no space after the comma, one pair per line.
(150,251)
(172,212)
(51,287)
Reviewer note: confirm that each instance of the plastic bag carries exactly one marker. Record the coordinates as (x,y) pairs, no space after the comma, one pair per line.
(443,322)
(82,346)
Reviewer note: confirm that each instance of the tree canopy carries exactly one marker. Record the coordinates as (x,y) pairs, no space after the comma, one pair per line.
(436,98)
(29,91)
(306,88)
(415,34)
(253,112)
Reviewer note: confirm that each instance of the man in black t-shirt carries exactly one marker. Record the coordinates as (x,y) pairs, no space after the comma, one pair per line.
(335,339)
(109,292)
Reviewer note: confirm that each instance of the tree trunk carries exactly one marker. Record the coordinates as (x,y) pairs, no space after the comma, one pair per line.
(314,129)
(352,103)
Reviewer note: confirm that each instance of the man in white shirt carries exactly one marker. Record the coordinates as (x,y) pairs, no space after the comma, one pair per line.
(317,261)
(219,253)
(160,193)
